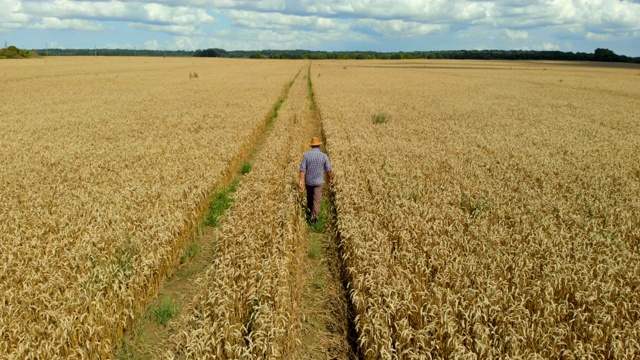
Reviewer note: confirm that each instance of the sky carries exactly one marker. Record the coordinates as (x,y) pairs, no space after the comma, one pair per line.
(330,25)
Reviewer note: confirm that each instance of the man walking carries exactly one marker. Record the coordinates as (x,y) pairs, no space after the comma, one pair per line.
(314,164)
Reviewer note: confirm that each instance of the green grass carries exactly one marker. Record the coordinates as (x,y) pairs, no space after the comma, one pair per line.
(321,224)
(165,311)
(472,207)
(315,249)
(310,94)
(126,254)
(274,114)
(320,282)
(380,118)
(190,251)
(281,100)
(246,167)
(128,350)
(221,201)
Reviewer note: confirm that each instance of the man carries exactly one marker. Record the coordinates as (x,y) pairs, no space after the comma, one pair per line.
(314,164)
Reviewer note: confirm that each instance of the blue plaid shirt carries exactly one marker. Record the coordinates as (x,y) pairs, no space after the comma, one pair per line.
(314,164)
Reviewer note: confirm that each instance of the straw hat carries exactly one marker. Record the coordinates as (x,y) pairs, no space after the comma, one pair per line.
(315,141)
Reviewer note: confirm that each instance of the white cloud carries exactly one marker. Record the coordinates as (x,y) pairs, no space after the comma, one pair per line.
(509,13)
(12,16)
(261,20)
(256,39)
(52,23)
(473,11)
(411,18)
(574,29)
(117,10)
(567,13)
(550,46)
(516,34)
(258,5)
(621,13)
(408,10)
(10,26)
(177,15)
(400,28)
(82,9)
(185,30)
(119,46)
(183,43)
(151,45)
(597,37)
(11,9)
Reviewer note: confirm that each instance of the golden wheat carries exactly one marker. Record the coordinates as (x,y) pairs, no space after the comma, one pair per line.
(486,209)
(494,214)
(249,304)
(106,168)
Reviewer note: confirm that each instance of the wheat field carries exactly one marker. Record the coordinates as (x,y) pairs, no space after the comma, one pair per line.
(107,165)
(249,303)
(484,209)
(487,209)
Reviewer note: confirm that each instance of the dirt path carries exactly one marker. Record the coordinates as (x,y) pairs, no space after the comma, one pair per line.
(150,337)
(327,331)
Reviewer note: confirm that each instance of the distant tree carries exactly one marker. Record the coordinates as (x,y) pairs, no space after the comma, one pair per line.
(605,55)
(318,56)
(210,53)
(258,55)
(13,52)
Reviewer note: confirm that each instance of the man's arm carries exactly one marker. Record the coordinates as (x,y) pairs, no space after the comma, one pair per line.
(328,169)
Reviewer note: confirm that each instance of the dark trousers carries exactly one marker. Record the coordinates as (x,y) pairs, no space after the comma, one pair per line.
(314,196)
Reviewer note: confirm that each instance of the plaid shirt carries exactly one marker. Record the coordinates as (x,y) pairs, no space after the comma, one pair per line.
(314,164)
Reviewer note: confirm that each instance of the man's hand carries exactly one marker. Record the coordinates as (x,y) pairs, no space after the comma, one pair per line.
(301,180)
(300,185)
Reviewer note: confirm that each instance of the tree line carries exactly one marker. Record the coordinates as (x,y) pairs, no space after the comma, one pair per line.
(599,54)
(113,52)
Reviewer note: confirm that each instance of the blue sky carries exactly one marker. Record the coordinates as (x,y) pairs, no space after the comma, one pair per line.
(380,25)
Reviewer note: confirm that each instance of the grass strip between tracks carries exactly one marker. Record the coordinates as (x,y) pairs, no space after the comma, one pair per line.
(148,338)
